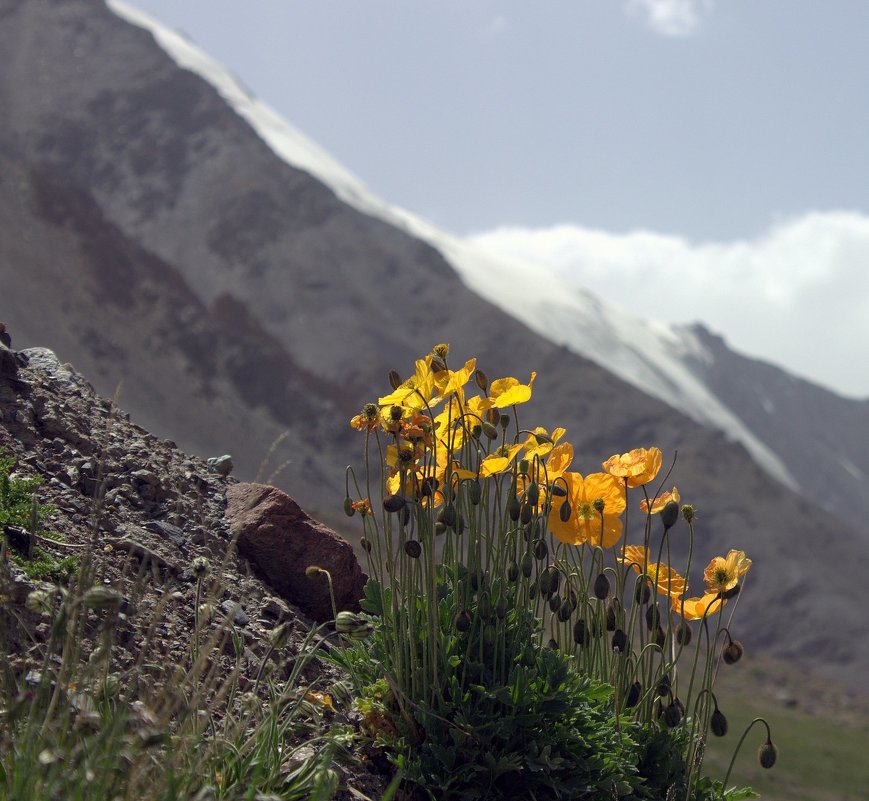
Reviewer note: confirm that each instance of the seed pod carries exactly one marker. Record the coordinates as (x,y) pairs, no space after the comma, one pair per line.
(348,507)
(280,635)
(513,508)
(673,713)
(564,512)
(504,419)
(526,513)
(475,492)
(523,467)
(580,633)
(633,696)
(718,723)
(684,634)
(670,514)
(395,413)
(394,503)
(732,653)
(413,549)
(513,572)
(353,626)
(540,549)
(601,586)
(642,593)
(527,564)
(565,610)
(462,621)
(619,641)
(653,616)
(489,430)
(101,597)
(481,379)
(767,754)
(394,379)
(688,512)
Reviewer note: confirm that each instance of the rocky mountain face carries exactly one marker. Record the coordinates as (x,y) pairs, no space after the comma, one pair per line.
(151,238)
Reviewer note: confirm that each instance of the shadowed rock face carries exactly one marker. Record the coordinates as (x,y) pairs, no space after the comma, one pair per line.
(282,542)
(152,239)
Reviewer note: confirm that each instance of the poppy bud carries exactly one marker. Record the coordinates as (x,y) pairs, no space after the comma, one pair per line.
(501,607)
(557,490)
(564,512)
(673,713)
(353,626)
(428,487)
(670,514)
(493,416)
(462,621)
(513,508)
(489,634)
(504,420)
(660,637)
(580,633)
(394,379)
(475,492)
(527,564)
(540,548)
(366,544)
(619,641)
(601,586)
(642,592)
(512,572)
(394,503)
(489,430)
(553,644)
(280,635)
(532,495)
(565,610)
(482,380)
(633,696)
(732,653)
(523,466)
(598,505)
(526,513)
(554,603)
(611,616)
(413,549)
(348,507)
(767,754)
(533,590)
(405,516)
(101,597)
(688,512)
(718,723)
(484,605)
(664,685)
(447,515)
(653,616)
(684,633)
(437,364)
(199,566)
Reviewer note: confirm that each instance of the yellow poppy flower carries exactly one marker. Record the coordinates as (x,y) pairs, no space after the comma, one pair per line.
(499,461)
(417,391)
(508,391)
(666,580)
(638,466)
(660,502)
(542,445)
(584,522)
(696,608)
(450,382)
(723,573)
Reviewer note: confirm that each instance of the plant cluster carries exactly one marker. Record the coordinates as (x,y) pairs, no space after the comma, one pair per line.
(79,722)
(521,648)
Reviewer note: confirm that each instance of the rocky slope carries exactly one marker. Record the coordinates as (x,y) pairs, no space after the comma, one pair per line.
(152,239)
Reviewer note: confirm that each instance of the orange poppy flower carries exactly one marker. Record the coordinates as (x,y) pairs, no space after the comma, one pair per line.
(585,523)
(638,466)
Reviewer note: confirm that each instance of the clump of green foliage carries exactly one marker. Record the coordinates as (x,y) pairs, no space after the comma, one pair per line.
(18,507)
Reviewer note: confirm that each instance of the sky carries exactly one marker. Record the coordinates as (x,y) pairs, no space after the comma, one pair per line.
(689,160)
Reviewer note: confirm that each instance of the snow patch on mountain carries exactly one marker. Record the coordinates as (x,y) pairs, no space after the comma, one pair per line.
(650,355)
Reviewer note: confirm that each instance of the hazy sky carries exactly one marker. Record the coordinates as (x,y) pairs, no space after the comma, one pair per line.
(687,159)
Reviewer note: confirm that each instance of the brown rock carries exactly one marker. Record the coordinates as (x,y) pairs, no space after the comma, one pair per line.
(8,364)
(282,541)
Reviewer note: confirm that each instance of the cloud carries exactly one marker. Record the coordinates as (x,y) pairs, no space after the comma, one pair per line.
(797,296)
(670,17)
